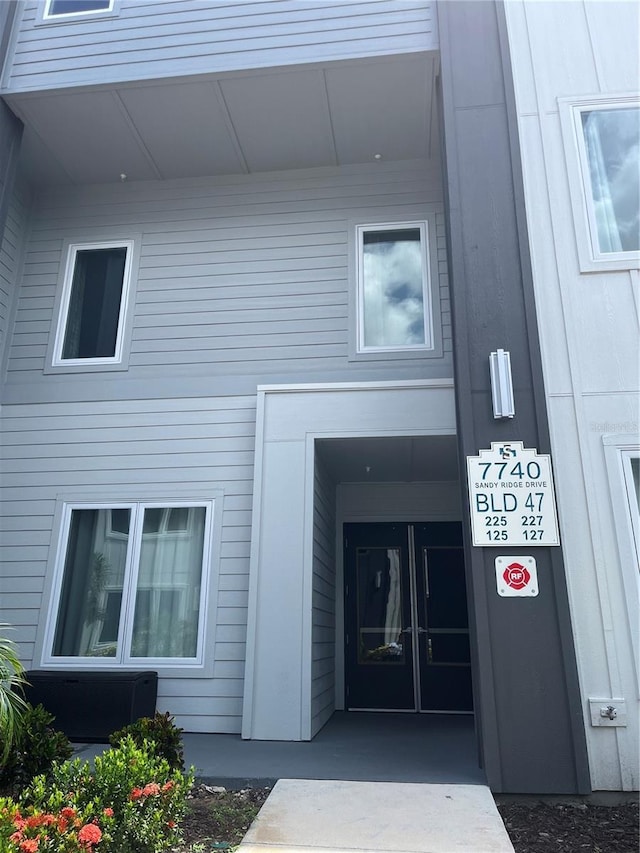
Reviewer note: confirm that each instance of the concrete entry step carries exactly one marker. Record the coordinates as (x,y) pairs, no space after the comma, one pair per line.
(305,815)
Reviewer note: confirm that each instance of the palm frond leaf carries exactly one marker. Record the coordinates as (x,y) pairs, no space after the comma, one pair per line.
(12,702)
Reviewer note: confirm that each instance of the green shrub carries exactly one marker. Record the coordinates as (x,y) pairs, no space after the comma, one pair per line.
(159,730)
(36,747)
(136,801)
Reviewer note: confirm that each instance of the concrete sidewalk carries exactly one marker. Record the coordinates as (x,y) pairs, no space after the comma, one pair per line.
(304,816)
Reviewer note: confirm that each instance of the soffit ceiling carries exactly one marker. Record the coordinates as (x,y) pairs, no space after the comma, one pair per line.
(414,459)
(333,115)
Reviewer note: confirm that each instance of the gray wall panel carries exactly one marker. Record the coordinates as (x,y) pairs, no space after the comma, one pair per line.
(156,447)
(246,277)
(323,599)
(156,39)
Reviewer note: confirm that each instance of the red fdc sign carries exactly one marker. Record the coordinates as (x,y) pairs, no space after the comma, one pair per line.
(516,576)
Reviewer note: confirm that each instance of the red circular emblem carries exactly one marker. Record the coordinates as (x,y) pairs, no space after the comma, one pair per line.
(516,576)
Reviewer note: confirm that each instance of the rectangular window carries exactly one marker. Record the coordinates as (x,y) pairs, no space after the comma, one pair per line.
(394,311)
(94,303)
(66,8)
(602,139)
(631,471)
(612,147)
(131,584)
(622,458)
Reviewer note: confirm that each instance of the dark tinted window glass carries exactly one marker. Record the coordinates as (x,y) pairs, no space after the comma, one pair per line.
(89,613)
(94,306)
(68,7)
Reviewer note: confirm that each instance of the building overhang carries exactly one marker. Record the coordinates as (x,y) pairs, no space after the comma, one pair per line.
(307,116)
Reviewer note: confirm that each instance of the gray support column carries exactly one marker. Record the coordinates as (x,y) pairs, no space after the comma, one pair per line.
(527,699)
(10,139)
(10,126)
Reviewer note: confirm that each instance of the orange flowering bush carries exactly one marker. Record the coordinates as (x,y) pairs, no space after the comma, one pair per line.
(30,830)
(129,802)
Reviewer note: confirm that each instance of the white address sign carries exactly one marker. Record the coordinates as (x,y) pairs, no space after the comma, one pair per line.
(511,496)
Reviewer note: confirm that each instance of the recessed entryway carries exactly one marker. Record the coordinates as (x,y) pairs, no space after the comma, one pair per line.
(294,672)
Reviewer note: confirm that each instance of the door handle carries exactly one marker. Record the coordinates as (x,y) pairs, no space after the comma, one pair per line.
(408,630)
(422,631)
(429,651)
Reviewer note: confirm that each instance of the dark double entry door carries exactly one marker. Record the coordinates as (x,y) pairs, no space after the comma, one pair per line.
(407,631)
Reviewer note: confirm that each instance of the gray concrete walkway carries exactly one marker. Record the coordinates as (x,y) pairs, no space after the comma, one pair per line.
(352,746)
(371,783)
(375,817)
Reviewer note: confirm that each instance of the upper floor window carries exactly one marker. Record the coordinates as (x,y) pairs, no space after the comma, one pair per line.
(607,206)
(66,8)
(94,304)
(612,146)
(394,312)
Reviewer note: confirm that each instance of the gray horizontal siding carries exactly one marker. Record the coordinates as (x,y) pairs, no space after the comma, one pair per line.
(155,39)
(238,277)
(152,446)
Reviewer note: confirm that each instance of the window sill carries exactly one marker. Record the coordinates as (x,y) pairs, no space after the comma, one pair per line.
(410,355)
(91,665)
(89,367)
(604,264)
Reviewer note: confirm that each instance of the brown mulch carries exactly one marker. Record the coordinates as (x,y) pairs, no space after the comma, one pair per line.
(575,828)
(219,818)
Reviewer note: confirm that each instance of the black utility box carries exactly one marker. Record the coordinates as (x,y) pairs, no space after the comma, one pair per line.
(91,705)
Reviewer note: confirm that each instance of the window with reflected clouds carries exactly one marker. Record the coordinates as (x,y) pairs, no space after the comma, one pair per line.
(612,144)
(393,288)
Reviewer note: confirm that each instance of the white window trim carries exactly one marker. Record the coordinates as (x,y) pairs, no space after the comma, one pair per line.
(619,449)
(423,226)
(46,17)
(198,665)
(591,259)
(119,361)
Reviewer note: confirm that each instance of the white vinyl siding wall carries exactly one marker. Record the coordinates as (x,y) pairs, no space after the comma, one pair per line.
(176,445)
(588,327)
(237,277)
(156,39)
(324,600)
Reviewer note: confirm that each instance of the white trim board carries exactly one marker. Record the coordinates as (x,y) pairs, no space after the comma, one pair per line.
(356,386)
